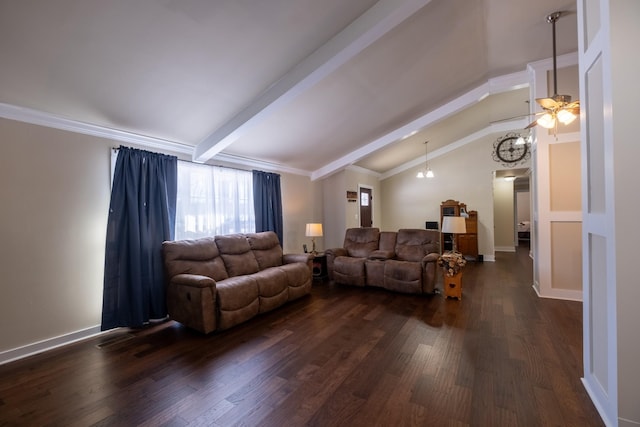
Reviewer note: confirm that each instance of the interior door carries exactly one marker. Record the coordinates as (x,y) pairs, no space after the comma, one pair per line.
(366,207)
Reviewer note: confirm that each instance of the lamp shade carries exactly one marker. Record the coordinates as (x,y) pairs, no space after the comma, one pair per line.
(454,224)
(314,230)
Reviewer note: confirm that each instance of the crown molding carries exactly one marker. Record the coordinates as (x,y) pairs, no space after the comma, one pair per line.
(35,117)
(40,118)
(262,165)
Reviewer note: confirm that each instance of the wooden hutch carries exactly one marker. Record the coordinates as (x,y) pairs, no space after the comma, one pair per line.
(467,243)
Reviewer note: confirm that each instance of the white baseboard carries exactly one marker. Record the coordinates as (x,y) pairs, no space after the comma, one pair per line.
(48,344)
(597,403)
(489,258)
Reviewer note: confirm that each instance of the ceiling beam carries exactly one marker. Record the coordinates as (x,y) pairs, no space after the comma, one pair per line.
(366,29)
(492,86)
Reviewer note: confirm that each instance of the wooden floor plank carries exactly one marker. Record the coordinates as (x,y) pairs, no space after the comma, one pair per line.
(501,356)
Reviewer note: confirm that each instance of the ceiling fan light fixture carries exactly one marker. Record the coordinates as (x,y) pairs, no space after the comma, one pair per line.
(520,140)
(547,121)
(557,108)
(420,175)
(566,117)
(429,173)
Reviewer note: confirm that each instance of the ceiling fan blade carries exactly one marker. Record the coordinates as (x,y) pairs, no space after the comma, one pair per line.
(532,124)
(548,103)
(574,110)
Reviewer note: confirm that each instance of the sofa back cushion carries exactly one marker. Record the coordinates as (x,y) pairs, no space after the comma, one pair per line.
(388,240)
(360,242)
(414,244)
(237,254)
(200,256)
(266,248)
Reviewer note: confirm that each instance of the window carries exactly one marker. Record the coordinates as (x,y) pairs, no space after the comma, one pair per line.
(212,201)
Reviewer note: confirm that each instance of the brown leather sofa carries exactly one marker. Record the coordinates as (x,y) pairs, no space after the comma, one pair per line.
(402,261)
(217,282)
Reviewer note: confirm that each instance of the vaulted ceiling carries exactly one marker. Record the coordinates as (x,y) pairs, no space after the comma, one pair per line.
(300,85)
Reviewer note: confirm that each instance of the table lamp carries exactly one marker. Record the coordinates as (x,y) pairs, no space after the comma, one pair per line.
(313,230)
(454,225)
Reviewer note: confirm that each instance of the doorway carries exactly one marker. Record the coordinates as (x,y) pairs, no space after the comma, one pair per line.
(366,206)
(511,209)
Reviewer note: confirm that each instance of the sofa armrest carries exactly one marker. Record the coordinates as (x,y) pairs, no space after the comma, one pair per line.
(381,255)
(192,280)
(331,255)
(191,300)
(335,252)
(291,258)
(432,257)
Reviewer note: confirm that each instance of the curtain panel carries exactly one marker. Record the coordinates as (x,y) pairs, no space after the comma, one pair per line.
(267,202)
(142,215)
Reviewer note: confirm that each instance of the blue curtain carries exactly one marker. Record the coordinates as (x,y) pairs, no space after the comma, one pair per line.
(142,215)
(267,202)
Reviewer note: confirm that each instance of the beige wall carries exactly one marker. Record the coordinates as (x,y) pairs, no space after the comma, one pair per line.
(503,215)
(54,193)
(335,209)
(523,205)
(301,204)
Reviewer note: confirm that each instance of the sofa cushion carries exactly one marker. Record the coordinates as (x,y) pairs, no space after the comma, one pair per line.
(266,248)
(388,241)
(271,281)
(237,292)
(403,276)
(414,244)
(374,269)
(200,256)
(272,288)
(237,255)
(349,270)
(360,242)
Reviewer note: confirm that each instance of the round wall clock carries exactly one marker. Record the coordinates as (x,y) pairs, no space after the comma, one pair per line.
(507,150)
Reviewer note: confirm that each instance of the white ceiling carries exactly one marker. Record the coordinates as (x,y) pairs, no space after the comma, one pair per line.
(302,85)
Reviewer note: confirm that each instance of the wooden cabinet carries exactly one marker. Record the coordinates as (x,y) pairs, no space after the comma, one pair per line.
(467,243)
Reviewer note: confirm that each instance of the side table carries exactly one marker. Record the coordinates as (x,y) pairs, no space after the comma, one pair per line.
(453,285)
(319,269)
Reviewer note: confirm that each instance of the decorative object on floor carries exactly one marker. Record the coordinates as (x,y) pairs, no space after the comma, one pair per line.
(557,108)
(426,172)
(313,230)
(511,149)
(452,264)
(454,225)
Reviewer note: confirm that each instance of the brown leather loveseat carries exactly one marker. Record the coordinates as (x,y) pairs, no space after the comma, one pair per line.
(218,282)
(402,261)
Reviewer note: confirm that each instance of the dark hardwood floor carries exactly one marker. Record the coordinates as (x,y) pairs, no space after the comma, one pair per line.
(343,356)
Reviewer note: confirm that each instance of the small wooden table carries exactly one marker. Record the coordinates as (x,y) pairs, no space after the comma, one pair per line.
(319,266)
(453,285)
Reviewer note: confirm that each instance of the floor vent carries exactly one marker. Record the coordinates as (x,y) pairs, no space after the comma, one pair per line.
(109,341)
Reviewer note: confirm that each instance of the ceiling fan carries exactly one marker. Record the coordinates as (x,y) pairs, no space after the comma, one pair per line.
(557,108)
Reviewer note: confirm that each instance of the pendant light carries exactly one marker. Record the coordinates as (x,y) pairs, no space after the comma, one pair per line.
(426,172)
